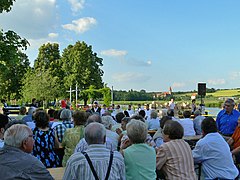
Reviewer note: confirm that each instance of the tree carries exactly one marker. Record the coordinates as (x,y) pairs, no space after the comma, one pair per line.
(39,84)
(13,63)
(82,66)
(6,5)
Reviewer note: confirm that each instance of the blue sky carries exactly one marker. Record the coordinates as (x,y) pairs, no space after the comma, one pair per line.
(144,44)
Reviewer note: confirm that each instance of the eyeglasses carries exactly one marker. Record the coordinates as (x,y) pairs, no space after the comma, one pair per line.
(227,105)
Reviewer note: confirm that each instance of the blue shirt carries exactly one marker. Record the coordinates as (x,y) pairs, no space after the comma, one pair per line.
(214,154)
(227,123)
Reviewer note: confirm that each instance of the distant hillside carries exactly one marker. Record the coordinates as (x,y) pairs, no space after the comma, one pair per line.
(226,93)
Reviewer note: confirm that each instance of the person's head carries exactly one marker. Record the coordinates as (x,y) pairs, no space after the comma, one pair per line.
(31,110)
(139,105)
(19,136)
(187,114)
(137,131)
(104,106)
(118,106)
(129,106)
(153,114)
(137,117)
(3,122)
(79,118)
(33,100)
(164,120)
(126,113)
(172,130)
(119,117)
(94,118)
(142,113)
(107,121)
(95,133)
(66,114)
(197,113)
(147,106)
(50,113)
(22,110)
(10,123)
(41,119)
(229,105)
(208,125)
(95,104)
(170,113)
(124,122)
(194,101)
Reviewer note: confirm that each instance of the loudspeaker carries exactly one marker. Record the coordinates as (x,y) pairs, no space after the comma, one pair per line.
(202,89)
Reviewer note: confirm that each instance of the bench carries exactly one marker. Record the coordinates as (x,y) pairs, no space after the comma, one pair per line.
(57,173)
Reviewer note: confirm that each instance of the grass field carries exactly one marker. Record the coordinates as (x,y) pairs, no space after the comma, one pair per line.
(226,93)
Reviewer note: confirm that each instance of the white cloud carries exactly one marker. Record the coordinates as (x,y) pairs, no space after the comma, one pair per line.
(113,52)
(76,4)
(53,35)
(136,62)
(178,85)
(130,77)
(31,19)
(216,81)
(234,75)
(149,62)
(81,25)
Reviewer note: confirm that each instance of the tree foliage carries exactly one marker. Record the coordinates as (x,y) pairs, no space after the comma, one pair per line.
(13,63)
(39,84)
(82,66)
(6,5)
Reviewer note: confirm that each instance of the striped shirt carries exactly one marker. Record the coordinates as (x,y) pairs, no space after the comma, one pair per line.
(78,167)
(175,159)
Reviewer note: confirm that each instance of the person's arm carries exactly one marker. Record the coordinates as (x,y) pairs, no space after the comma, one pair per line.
(160,158)
(235,151)
(57,143)
(230,141)
(198,153)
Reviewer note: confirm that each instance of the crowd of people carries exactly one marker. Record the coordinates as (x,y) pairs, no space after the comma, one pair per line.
(109,143)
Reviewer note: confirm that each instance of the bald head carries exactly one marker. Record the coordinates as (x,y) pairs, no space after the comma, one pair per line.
(95,133)
(94,118)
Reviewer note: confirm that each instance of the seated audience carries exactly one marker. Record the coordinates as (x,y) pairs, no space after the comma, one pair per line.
(45,141)
(213,152)
(16,162)
(61,126)
(112,136)
(82,145)
(197,121)
(158,137)
(3,122)
(29,116)
(148,140)
(139,158)
(174,157)
(153,122)
(187,124)
(72,136)
(106,164)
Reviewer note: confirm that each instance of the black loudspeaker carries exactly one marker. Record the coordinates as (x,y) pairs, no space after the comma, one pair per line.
(202,89)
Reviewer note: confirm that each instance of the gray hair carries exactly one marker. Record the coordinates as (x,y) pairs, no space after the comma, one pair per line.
(107,121)
(94,118)
(95,133)
(137,131)
(66,114)
(197,112)
(16,134)
(31,110)
(153,114)
(230,101)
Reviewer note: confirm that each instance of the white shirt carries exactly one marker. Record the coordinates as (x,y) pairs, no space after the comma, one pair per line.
(188,127)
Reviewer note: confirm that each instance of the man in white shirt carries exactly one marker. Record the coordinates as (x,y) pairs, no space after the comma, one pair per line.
(187,124)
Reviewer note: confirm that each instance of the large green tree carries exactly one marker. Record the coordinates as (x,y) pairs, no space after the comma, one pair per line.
(39,84)
(13,63)
(82,66)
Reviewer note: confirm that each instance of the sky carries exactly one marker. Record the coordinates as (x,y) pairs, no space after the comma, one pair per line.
(145,44)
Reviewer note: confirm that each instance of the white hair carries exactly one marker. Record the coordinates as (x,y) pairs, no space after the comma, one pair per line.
(16,134)
(107,121)
(137,131)
(95,133)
